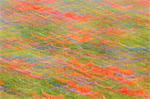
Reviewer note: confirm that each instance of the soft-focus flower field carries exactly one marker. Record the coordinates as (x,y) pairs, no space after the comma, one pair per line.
(74,49)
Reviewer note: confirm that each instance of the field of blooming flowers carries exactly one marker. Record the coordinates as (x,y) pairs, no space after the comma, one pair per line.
(74,49)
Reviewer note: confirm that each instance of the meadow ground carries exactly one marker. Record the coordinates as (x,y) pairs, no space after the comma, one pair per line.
(74,49)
